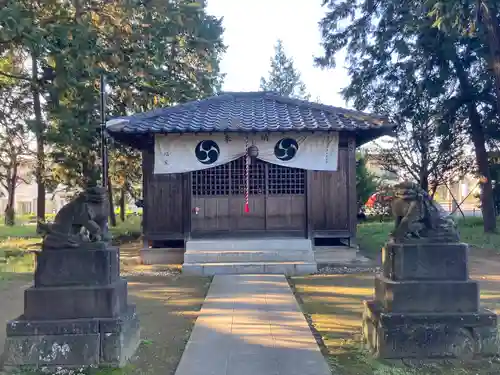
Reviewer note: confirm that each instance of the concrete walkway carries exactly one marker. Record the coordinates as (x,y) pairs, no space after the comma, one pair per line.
(251,325)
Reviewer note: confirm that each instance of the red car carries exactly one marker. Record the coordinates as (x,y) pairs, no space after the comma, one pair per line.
(379,203)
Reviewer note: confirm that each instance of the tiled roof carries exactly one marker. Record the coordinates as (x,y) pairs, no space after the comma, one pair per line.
(247,112)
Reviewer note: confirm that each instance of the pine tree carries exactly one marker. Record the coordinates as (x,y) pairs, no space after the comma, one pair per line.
(283,77)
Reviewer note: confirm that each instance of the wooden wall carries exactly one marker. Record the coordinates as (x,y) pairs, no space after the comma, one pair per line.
(332,208)
(331,199)
(166,204)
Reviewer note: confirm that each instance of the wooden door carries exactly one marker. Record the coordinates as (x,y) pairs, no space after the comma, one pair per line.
(276,199)
(210,200)
(255,219)
(286,199)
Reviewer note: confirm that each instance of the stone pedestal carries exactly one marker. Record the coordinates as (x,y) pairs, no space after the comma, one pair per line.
(75,315)
(426,306)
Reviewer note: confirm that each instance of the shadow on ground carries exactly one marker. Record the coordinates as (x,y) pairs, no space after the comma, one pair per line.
(168,305)
(332,304)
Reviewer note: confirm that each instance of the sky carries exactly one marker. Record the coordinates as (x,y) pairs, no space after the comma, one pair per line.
(251,31)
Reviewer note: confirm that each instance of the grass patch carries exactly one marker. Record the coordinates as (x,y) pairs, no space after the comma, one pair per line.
(17,244)
(372,236)
(472,232)
(333,304)
(16,257)
(130,226)
(17,268)
(28,230)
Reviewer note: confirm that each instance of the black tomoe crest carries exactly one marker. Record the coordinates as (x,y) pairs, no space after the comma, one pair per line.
(207,152)
(286,149)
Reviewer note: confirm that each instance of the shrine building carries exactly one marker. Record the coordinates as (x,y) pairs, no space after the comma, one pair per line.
(237,168)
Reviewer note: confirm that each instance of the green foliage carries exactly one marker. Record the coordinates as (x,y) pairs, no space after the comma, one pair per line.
(472,18)
(283,77)
(125,171)
(366,182)
(159,55)
(398,60)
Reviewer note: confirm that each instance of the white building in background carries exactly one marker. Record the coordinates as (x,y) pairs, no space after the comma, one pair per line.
(25,200)
(465,191)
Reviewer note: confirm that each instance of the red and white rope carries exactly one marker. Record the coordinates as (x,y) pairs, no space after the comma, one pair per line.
(247,175)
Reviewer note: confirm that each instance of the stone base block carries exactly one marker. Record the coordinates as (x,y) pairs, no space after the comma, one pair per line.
(425,261)
(72,343)
(269,268)
(77,267)
(427,296)
(162,256)
(76,301)
(429,335)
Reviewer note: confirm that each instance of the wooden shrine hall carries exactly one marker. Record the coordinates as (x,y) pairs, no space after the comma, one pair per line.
(249,171)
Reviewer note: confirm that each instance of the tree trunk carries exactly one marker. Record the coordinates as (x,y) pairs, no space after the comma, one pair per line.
(423,177)
(122,204)
(424,182)
(40,141)
(478,139)
(434,189)
(491,21)
(10,213)
(487,200)
(10,216)
(112,217)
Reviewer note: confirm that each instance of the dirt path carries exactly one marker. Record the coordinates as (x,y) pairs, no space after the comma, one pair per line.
(12,301)
(168,305)
(333,304)
(484,262)
(485,268)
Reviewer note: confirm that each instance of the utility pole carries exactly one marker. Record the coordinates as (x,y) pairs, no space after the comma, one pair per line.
(104,146)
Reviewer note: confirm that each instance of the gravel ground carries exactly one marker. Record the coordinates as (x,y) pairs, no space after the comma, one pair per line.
(345,270)
(165,272)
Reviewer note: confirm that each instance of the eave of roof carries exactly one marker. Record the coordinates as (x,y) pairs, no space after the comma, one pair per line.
(247,112)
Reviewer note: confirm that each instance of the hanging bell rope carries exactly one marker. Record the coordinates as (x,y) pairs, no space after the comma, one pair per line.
(247,175)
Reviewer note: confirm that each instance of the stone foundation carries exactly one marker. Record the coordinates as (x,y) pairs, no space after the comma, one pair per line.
(426,306)
(162,256)
(75,315)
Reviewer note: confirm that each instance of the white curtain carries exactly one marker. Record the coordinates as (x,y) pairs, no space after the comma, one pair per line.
(191,152)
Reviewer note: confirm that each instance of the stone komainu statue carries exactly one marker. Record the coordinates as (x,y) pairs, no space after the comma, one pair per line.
(418,217)
(80,223)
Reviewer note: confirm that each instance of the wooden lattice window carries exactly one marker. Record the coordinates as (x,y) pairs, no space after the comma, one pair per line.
(229,179)
(257,177)
(285,180)
(211,181)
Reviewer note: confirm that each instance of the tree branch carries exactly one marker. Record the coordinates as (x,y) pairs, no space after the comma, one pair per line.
(13,76)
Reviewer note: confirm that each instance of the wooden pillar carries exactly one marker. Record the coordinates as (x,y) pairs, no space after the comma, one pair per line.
(352,196)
